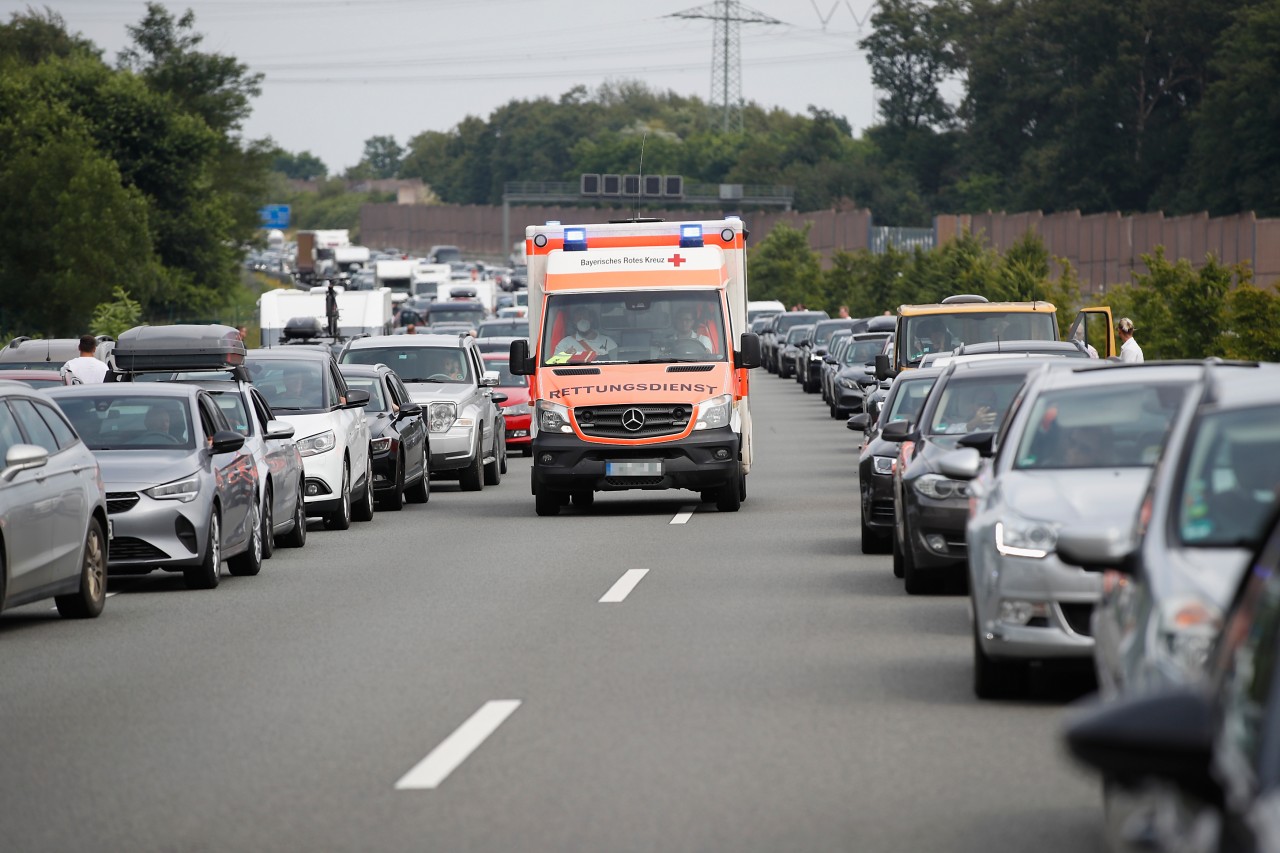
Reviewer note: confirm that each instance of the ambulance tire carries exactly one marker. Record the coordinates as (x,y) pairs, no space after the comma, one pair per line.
(729,496)
(583,499)
(546,503)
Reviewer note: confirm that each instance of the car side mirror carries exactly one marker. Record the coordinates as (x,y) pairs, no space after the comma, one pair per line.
(409,410)
(1167,736)
(858,422)
(490,379)
(278,429)
(748,354)
(519,361)
(356,399)
(983,442)
(23,457)
(498,398)
(226,441)
(883,369)
(828,359)
(1098,547)
(962,464)
(867,381)
(897,431)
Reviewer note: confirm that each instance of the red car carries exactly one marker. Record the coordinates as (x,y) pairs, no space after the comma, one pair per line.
(48,378)
(516,409)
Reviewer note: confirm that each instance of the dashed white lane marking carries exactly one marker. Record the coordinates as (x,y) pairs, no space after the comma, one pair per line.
(453,750)
(683,516)
(622,588)
(55,607)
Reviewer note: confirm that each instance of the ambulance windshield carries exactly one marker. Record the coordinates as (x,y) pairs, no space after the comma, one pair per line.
(634,328)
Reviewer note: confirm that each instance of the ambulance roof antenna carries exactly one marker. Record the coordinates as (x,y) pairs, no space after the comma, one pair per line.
(640,183)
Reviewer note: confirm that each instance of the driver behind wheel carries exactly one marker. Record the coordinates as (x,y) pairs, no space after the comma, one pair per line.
(685,321)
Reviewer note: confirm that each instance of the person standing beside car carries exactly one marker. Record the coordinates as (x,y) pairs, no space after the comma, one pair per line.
(1130,352)
(85,367)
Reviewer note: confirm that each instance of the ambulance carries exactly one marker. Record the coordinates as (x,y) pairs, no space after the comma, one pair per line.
(638,354)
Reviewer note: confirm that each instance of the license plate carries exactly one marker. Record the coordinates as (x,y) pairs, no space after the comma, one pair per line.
(633,469)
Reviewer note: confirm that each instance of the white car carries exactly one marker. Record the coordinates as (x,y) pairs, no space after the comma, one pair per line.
(305,388)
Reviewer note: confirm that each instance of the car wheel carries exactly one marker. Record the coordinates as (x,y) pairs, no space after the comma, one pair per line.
(362,510)
(340,519)
(395,500)
(249,563)
(207,574)
(268,524)
(995,679)
(872,542)
(420,492)
(493,471)
(504,451)
(729,496)
(897,557)
(583,498)
(913,580)
(742,486)
(528,450)
(297,536)
(87,601)
(472,479)
(546,503)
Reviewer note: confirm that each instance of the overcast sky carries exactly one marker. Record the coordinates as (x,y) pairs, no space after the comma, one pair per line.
(340,71)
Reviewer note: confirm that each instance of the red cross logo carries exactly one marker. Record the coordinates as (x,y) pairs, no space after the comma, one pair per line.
(677,260)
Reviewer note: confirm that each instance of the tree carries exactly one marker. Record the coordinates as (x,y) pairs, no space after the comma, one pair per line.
(117,316)
(382,157)
(303,166)
(909,51)
(783,267)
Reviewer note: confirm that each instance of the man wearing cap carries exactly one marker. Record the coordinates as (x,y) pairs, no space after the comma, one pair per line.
(1130,352)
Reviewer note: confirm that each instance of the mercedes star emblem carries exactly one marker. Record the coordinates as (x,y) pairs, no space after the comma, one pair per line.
(632,419)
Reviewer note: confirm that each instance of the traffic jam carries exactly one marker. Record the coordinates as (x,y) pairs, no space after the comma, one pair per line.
(1106,517)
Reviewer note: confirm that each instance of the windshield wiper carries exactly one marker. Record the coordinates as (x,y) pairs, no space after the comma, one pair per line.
(290,408)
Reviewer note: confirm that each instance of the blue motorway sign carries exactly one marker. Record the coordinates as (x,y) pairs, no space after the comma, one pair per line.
(275,215)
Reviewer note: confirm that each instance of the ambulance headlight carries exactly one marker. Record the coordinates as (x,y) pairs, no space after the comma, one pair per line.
(714,413)
(553,417)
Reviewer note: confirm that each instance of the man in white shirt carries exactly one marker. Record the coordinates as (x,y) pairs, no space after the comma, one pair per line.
(85,367)
(685,322)
(1130,352)
(586,342)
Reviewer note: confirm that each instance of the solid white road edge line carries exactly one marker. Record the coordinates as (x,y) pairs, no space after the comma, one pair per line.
(685,513)
(622,588)
(453,750)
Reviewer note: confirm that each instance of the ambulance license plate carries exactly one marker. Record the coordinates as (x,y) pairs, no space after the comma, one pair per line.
(633,469)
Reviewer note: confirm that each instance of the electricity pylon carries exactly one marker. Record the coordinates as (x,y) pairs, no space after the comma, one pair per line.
(726,55)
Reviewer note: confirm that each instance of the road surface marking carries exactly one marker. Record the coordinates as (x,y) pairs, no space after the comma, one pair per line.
(453,750)
(108,595)
(685,513)
(620,590)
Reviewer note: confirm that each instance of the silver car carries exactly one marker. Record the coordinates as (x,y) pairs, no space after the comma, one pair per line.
(1078,447)
(53,509)
(181,486)
(445,373)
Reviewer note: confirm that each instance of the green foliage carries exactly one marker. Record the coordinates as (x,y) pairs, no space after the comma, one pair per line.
(115,317)
(1253,316)
(783,267)
(332,206)
(382,159)
(303,166)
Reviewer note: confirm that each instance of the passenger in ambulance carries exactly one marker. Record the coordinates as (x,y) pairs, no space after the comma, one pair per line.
(686,340)
(586,342)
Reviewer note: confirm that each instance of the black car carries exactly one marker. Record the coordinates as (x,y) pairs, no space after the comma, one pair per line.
(930,510)
(878,457)
(398,442)
(775,336)
(809,369)
(518,328)
(855,373)
(1212,744)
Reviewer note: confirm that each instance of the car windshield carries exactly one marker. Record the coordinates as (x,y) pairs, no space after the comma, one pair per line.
(125,422)
(504,330)
(372,384)
(788,320)
(823,334)
(798,334)
(506,379)
(1232,477)
(863,352)
(944,332)
(1113,426)
(974,404)
(634,328)
(289,385)
(909,399)
(416,364)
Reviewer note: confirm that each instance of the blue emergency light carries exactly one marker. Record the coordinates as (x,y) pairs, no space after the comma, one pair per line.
(553,221)
(691,236)
(575,239)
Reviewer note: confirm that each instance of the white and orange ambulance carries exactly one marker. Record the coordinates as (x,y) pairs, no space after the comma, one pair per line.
(639,351)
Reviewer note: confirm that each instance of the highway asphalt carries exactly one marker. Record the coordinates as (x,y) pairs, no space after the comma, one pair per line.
(448,678)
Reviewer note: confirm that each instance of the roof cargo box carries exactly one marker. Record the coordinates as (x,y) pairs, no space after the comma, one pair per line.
(146,349)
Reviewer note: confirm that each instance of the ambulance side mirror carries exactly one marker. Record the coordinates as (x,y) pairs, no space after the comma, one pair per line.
(519,361)
(748,354)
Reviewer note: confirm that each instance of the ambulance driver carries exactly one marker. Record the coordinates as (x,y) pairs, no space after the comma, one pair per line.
(586,342)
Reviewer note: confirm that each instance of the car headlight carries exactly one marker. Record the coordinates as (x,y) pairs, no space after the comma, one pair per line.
(322,443)
(1023,537)
(883,464)
(1189,627)
(714,413)
(380,445)
(517,409)
(184,490)
(440,416)
(553,417)
(940,488)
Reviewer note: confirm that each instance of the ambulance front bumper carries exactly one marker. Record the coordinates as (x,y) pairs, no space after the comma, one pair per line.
(706,459)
